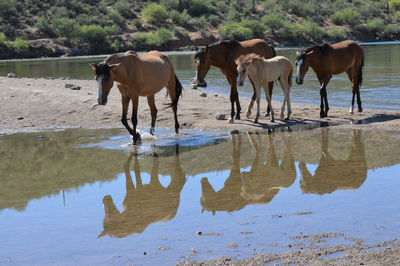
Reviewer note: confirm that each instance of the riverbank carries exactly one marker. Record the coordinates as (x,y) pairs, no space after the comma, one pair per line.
(32,105)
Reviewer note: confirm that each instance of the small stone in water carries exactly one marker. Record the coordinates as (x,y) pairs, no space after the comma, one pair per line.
(199,233)
(203,94)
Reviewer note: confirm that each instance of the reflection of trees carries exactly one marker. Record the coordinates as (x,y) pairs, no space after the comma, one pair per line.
(257,186)
(333,174)
(144,204)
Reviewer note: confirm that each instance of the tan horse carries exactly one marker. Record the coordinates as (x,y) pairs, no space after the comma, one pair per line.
(144,204)
(263,71)
(138,75)
(331,59)
(223,55)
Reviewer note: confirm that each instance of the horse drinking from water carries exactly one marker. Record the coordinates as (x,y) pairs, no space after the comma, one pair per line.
(262,72)
(330,59)
(138,75)
(223,55)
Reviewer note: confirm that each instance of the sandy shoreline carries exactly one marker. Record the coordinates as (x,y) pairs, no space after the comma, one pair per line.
(30,105)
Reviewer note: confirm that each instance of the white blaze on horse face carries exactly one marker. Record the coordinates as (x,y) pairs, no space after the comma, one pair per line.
(100,93)
(299,63)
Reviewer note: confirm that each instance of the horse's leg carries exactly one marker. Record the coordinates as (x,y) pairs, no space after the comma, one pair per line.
(269,104)
(356,86)
(238,108)
(258,92)
(323,109)
(125,104)
(130,187)
(286,90)
(270,88)
(153,111)
(135,104)
(350,75)
(253,98)
(234,97)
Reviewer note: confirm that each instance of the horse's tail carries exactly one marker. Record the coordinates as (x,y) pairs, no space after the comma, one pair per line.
(178,91)
(360,76)
(290,77)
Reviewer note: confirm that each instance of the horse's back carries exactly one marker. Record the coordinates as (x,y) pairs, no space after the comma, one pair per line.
(257,46)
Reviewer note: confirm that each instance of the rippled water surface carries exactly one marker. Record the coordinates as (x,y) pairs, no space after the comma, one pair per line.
(85,197)
(380,88)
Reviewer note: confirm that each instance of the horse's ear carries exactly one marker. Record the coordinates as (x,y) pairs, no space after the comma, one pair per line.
(102,234)
(206,49)
(93,65)
(298,52)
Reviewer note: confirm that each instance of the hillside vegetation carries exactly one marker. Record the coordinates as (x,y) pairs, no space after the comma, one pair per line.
(32,28)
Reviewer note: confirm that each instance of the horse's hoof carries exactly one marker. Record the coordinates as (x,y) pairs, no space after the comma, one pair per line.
(230,120)
(360,110)
(255,121)
(272,120)
(282,116)
(248,114)
(237,117)
(152,131)
(286,119)
(135,138)
(322,115)
(266,114)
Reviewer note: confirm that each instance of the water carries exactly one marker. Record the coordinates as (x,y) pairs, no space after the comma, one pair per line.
(380,89)
(84,197)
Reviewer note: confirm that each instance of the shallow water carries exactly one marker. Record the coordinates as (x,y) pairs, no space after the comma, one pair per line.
(62,194)
(380,89)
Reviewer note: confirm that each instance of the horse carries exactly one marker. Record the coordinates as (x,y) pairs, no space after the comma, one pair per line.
(332,174)
(262,71)
(222,55)
(144,204)
(331,59)
(138,75)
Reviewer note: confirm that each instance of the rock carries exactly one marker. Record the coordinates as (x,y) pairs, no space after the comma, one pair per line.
(11,75)
(220,116)
(75,88)
(199,233)
(203,94)
(20,118)
(69,85)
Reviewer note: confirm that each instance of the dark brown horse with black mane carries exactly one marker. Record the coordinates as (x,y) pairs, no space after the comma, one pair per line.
(330,59)
(223,55)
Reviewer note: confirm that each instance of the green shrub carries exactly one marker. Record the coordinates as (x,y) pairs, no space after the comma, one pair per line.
(44,26)
(160,37)
(64,27)
(8,8)
(311,31)
(375,25)
(20,45)
(116,17)
(183,19)
(94,36)
(198,8)
(124,8)
(346,16)
(3,42)
(336,33)
(255,26)
(170,4)
(236,31)
(394,4)
(273,21)
(154,13)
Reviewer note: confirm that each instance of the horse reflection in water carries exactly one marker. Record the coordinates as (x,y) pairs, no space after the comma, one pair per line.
(259,185)
(333,174)
(145,204)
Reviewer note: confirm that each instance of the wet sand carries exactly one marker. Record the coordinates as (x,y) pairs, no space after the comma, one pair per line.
(30,105)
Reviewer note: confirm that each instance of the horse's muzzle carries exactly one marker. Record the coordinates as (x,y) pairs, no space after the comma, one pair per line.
(102,101)
(201,83)
(299,81)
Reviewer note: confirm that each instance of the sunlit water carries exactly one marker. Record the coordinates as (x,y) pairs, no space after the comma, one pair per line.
(380,89)
(62,194)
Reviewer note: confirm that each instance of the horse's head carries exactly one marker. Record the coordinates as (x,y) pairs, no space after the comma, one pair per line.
(203,64)
(244,63)
(301,65)
(104,79)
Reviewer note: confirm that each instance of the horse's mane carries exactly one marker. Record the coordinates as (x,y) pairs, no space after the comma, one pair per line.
(324,47)
(119,56)
(229,43)
(244,59)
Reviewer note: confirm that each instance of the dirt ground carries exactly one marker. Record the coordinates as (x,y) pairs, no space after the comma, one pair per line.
(29,105)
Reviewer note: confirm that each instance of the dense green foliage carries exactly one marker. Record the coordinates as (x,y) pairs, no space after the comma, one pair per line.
(98,26)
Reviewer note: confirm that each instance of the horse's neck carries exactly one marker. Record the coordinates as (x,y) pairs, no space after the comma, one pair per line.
(220,58)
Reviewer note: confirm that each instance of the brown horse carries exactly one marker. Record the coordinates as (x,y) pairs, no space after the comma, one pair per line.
(223,55)
(332,174)
(144,204)
(330,59)
(138,75)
